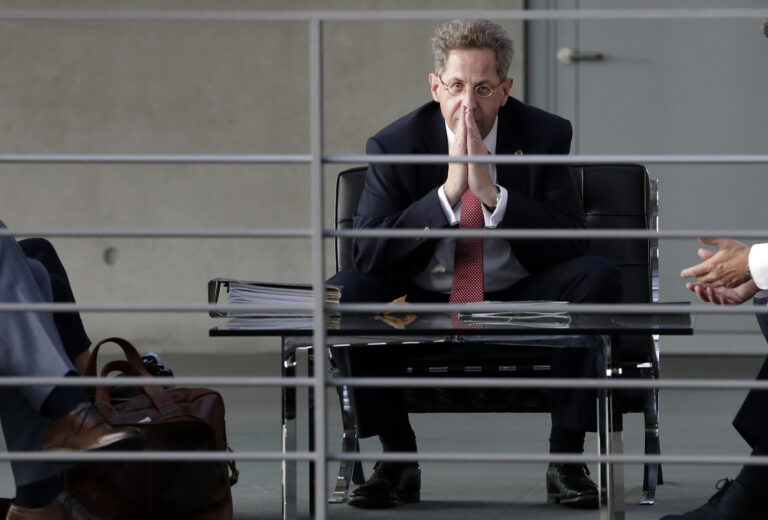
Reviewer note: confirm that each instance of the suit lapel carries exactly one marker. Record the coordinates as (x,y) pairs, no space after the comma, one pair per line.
(510,140)
(436,142)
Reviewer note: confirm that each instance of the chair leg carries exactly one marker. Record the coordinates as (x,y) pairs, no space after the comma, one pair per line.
(350,471)
(358,477)
(651,472)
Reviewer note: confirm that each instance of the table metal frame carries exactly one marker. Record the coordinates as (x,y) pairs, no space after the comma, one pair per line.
(609,432)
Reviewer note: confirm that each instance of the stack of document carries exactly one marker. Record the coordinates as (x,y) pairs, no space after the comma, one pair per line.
(280,322)
(270,293)
(529,317)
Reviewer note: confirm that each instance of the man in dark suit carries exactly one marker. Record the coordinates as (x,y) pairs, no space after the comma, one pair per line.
(471,114)
(732,275)
(45,417)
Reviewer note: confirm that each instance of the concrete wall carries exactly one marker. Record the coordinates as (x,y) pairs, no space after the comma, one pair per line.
(118,87)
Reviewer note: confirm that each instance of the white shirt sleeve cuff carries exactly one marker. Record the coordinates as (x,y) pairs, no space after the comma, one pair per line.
(453,217)
(493,218)
(758,264)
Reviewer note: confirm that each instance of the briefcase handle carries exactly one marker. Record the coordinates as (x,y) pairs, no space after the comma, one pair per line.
(131,354)
(134,366)
(158,395)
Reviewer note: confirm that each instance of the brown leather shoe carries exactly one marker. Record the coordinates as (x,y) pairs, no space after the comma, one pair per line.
(86,429)
(64,507)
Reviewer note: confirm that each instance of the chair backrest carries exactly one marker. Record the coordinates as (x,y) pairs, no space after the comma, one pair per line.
(615,196)
(621,196)
(349,187)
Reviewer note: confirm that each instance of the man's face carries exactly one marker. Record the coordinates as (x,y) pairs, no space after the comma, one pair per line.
(470,68)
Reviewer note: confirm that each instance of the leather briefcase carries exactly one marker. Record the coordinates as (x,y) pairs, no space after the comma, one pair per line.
(186,419)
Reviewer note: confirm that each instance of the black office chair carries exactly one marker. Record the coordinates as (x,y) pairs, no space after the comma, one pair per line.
(617,196)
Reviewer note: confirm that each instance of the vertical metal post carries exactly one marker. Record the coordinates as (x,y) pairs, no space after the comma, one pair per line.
(318,259)
(610,441)
(603,436)
(288,368)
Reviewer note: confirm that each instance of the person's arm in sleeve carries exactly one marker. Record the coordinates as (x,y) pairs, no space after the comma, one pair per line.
(559,207)
(388,201)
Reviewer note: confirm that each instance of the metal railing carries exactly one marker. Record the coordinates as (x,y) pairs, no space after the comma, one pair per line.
(316,159)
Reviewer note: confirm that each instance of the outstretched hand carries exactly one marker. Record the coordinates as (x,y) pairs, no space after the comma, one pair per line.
(724,295)
(726,267)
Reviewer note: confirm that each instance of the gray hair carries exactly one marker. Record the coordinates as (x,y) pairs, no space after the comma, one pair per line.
(472,34)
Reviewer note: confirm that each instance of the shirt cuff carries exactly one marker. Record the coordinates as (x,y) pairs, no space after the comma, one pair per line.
(493,218)
(758,264)
(453,218)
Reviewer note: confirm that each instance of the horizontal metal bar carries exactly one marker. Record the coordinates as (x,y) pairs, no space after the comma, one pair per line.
(155,307)
(154,158)
(458,457)
(395,382)
(147,456)
(553,159)
(160,233)
(573,308)
(381,158)
(525,382)
(376,15)
(542,234)
(221,381)
(257,233)
(559,457)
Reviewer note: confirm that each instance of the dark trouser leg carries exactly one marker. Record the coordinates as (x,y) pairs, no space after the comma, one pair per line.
(378,410)
(24,430)
(752,422)
(30,345)
(586,279)
(68,324)
(38,494)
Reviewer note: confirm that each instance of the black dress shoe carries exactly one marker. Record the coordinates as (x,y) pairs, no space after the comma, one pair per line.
(731,502)
(391,483)
(569,485)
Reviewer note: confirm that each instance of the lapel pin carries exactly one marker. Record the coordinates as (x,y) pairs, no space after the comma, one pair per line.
(519,152)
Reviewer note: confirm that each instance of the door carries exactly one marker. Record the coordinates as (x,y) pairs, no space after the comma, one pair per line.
(671,86)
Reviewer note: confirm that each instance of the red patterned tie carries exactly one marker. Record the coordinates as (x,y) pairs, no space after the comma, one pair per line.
(468,258)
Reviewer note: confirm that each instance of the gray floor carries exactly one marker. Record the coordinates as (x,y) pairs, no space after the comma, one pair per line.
(693,422)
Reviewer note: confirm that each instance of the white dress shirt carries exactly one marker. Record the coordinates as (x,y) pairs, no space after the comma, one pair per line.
(500,267)
(758,267)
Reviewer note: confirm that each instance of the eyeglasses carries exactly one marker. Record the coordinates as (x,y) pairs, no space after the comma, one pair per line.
(482,90)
